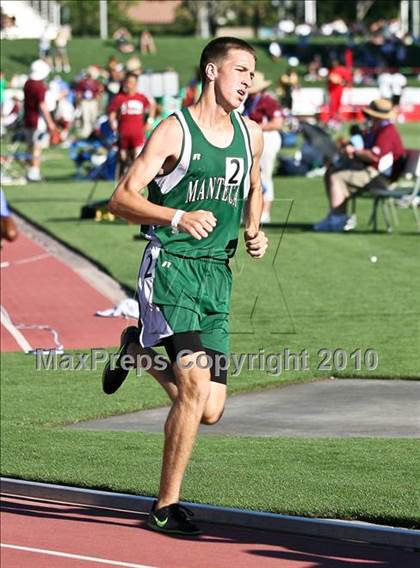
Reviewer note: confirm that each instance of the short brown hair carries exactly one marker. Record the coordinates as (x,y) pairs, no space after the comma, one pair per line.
(130,74)
(218,49)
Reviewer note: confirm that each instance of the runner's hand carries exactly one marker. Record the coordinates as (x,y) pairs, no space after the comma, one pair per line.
(198,224)
(256,244)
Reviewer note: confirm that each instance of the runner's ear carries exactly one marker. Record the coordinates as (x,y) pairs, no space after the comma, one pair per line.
(211,71)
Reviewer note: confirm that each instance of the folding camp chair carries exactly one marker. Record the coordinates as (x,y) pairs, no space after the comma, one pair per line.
(13,160)
(406,189)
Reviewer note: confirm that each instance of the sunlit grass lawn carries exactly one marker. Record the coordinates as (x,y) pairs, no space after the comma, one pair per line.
(359,478)
(312,291)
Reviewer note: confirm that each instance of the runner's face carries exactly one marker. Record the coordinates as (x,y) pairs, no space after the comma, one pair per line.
(130,85)
(234,77)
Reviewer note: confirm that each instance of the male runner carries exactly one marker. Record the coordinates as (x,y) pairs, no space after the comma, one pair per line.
(127,115)
(201,165)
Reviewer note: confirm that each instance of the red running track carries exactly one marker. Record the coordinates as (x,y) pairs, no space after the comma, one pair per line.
(40,290)
(41,534)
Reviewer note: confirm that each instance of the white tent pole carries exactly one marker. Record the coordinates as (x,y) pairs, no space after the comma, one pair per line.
(404,15)
(310,12)
(415,12)
(103,18)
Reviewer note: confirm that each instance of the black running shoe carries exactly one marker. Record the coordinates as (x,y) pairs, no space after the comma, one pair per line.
(112,379)
(174,519)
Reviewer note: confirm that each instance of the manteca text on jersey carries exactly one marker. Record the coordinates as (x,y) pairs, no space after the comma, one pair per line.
(212,188)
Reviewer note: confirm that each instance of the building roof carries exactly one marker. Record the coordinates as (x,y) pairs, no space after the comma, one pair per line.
(153,11)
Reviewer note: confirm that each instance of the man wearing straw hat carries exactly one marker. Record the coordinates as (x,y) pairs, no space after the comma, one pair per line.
(383,153)
(261,107)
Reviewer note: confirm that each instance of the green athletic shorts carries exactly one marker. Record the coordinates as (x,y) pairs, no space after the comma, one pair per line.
(178,294)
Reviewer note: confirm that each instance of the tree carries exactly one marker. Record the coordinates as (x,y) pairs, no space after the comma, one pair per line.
(83,15)
(362,10)
(212,14)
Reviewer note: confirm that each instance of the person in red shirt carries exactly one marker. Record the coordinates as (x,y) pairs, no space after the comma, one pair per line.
(338,78)
(35,108)
(127,115)
(264,109)
(383,153)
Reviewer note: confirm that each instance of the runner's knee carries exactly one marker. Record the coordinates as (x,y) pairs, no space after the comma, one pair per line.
(210,419)
(193,382)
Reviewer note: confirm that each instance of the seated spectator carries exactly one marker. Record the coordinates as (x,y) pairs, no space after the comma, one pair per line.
(383,153)
(124,40)
(147,43)
(88,95)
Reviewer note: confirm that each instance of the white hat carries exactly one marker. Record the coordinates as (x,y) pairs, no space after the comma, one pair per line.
(259,83)
(39,70)
(293,61)
(380,108)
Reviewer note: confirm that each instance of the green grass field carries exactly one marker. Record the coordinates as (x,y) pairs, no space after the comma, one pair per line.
(313,291)
(179,53)
(369,479)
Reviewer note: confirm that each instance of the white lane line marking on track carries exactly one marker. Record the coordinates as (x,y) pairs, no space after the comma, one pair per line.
(67,503)
(26,260)
(19,338)
(75,556)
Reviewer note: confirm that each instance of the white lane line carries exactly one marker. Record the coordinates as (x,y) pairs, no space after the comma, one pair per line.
(26,260)
(75,556)
(19,338)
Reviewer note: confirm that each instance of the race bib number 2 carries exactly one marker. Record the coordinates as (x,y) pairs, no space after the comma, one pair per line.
(234,171)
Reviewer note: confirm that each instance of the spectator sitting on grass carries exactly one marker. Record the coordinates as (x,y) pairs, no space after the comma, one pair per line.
(383,153)
(147,43)
(124,40)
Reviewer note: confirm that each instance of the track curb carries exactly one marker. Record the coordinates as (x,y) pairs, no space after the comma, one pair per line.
(328,528)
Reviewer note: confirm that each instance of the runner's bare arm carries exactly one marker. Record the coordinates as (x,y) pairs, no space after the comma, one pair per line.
(255,240)
(127,202)
(113,120)
(47,116)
